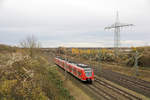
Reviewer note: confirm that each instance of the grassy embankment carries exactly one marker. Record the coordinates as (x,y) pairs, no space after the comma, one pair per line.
(29,78)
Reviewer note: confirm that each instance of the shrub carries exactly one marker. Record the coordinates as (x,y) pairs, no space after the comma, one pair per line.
(27,78)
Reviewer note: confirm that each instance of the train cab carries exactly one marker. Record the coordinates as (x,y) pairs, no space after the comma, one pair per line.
(88,74)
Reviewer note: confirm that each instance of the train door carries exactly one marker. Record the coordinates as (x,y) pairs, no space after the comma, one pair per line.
(70,68)
(74,71)
(79,73)
(83,75)
(67,66)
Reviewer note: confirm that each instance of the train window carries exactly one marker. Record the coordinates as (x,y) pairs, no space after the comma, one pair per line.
(74,70)
(67,66)
(70,68)
(88,73)
(87,69)
(79,73)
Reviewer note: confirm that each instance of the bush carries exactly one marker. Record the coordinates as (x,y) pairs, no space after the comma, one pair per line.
(27,78)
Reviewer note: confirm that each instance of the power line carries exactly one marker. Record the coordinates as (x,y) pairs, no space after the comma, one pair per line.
(116,26)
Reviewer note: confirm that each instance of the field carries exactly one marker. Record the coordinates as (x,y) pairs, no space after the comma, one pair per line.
(24,76)
(124,63)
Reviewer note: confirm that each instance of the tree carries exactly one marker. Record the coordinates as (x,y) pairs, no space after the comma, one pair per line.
(31,44)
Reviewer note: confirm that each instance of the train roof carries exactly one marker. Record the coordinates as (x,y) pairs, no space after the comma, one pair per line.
(69,61)
(84,66)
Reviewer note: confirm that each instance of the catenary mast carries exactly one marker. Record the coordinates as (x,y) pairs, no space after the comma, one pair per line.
(116,26)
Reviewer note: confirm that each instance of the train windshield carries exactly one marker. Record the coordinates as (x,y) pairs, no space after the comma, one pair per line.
(88,72)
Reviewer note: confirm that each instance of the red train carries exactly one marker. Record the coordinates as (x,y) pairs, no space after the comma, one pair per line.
(81,71)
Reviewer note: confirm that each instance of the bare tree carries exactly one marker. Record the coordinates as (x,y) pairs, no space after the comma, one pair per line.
(31,44)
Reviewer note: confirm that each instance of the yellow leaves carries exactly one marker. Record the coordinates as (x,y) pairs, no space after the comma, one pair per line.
(75,51)
(133,49)
(103,50)
(6,86)
(106,51)
(80,51)
(37,94)
(90,51)
(22,51)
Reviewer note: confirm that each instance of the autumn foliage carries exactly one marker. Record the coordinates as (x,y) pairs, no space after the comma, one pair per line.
(26,78)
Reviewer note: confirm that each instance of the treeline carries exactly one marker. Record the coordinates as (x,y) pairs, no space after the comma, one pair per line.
(6,48)
(124,57)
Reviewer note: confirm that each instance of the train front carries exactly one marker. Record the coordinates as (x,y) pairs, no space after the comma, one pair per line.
(89,74)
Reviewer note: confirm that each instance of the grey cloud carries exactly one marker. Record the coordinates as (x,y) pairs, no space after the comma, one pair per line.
(72,21)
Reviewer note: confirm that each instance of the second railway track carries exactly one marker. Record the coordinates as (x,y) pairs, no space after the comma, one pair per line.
(117,93)
(132,83)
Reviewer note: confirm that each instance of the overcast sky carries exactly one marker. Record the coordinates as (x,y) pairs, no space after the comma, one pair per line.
(74,23)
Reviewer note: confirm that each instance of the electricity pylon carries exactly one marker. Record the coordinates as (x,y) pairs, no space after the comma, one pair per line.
(116,26)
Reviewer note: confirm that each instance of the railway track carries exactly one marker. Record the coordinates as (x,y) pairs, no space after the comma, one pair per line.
(109,92)
(117,91)
(103,90)
(132,83)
